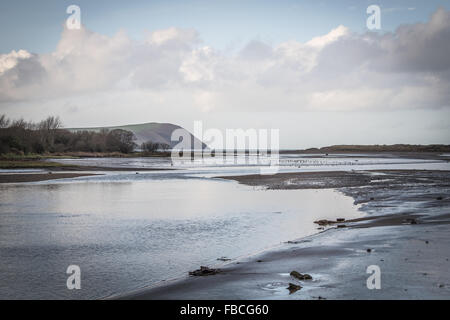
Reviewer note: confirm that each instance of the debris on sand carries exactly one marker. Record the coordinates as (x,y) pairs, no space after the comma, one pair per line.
(297,241)
(204,271)
(325,222)
(410,221)
(299,276)
(293,288)
(223,259)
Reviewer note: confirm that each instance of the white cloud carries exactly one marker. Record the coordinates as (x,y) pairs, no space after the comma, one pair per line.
(10,60)
(333,35)
(341,70)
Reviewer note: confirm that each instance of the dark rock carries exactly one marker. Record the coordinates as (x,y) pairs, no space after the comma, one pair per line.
(293,288)
(298,241)
(323,222)
(299,276)
(204,271)
(259,261)
(341,226)
(410,221)
(369,250)
(439,198)
(223,259)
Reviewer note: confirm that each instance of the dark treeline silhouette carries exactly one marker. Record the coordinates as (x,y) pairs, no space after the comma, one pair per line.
(152,147)
(48,136)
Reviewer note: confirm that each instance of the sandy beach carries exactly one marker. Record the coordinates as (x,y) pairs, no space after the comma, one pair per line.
(404,232)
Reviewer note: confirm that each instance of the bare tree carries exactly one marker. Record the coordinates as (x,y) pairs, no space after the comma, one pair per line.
(4,121)
(150,146)
(164,147)
(50,124)
(47,129)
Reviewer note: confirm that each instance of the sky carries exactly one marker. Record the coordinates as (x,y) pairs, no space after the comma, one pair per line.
(311,69)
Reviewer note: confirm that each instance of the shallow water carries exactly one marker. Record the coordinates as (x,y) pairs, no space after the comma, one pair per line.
(126,230)
(128,234)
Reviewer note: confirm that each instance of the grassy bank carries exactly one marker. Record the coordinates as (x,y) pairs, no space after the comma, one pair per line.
(40,161)
(29,164)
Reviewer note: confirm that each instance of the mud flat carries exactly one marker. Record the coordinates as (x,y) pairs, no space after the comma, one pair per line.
(35,177)
(405,232)
(44,172)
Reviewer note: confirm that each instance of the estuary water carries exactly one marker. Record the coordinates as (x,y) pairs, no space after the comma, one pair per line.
(126,231)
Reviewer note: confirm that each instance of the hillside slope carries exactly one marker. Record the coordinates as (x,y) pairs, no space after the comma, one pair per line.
(152,131)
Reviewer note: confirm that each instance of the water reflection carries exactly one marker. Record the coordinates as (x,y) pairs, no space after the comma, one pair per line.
(131,233)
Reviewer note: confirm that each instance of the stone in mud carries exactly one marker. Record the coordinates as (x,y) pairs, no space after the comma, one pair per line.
(322,222)
(369,250)
(410,221)
(204,271)
(293,288)
(439,198)
(341,226)
(299,276)
(325,222)
(223,259)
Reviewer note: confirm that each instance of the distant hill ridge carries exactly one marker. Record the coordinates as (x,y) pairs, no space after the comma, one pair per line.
(379,148)
(151,131)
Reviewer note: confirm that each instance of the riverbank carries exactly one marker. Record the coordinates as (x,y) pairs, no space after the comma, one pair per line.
(405,233)
(17,171)
(35,177)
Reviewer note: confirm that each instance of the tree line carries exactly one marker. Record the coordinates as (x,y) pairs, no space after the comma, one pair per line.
(48,136)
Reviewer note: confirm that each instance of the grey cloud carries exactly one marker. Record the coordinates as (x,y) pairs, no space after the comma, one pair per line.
(341,70)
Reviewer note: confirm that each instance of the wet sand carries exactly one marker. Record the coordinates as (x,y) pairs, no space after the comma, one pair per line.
(34,177)
(405,231)
(63,172)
